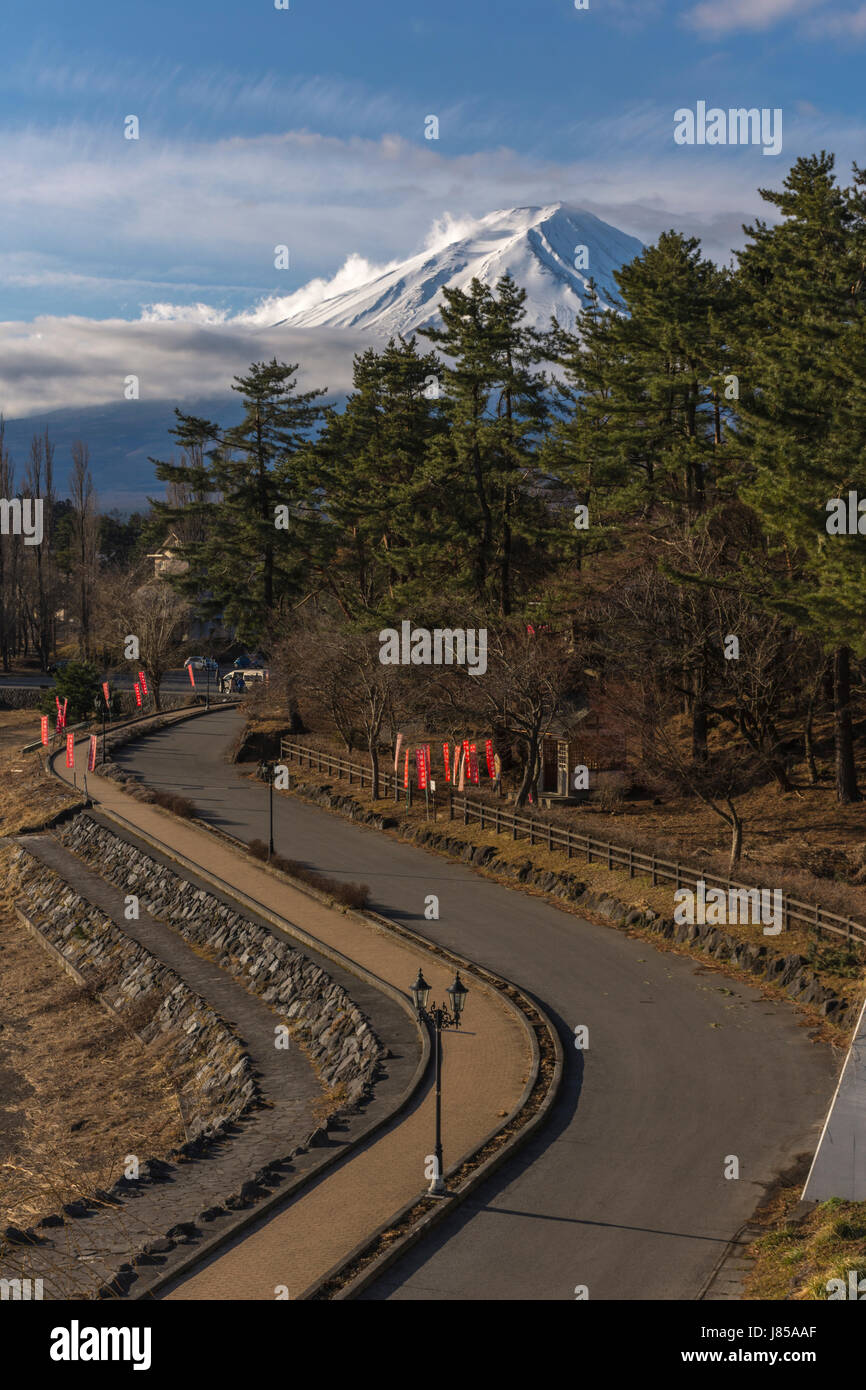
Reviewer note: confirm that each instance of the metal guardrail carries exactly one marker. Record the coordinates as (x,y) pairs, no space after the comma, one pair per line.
(539,831)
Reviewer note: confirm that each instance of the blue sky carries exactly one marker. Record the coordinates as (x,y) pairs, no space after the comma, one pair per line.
(306,127)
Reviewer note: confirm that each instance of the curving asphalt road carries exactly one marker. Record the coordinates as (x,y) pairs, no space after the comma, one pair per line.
(624,1190)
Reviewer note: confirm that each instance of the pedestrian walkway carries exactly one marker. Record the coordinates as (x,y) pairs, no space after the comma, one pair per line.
(486,1067)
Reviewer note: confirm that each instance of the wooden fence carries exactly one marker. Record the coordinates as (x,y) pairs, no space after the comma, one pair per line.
(521,825)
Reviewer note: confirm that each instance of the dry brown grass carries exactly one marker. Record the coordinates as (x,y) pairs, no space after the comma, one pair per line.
(29,795)
(67,1062)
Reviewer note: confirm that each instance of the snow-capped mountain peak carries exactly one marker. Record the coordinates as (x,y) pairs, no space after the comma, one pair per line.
(552,252)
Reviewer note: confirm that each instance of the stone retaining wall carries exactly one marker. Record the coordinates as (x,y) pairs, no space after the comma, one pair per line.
(207,1062)
(335,1033)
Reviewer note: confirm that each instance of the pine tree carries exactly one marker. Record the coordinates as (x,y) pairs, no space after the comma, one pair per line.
(376,534)
(238,478)
(802,339)
(495,400)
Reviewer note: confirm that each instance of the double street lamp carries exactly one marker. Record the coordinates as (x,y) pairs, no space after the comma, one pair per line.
(438,1018)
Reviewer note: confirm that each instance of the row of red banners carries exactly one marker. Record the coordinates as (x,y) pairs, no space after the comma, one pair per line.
(459,766)
(139,687)
(91,751)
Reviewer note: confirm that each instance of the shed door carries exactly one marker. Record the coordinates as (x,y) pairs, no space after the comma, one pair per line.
(562,767)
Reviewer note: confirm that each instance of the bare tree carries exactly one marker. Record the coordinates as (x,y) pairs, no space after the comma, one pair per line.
(85,530)
(39,483)
(532,681)
(10,550)
(152,612)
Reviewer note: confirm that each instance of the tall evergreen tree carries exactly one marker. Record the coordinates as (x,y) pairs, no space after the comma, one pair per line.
(237,479)
(374,528)
(802,340)
(496,403)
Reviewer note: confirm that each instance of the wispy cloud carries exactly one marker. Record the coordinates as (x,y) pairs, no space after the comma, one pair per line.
(732,15)
(841,24)
(56,362)
(713,19)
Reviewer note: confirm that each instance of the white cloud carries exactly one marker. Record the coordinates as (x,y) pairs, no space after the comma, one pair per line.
(843,24)
(57,362)
(713,18)
(729,16)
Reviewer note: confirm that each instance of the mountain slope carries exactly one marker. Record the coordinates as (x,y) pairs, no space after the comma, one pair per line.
(538,246)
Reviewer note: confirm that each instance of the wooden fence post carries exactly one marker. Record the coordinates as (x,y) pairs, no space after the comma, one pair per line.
(653,870)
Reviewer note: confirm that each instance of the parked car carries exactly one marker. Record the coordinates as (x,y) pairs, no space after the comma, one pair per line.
(58,666)
(237,681)
(244,662)
(201,663)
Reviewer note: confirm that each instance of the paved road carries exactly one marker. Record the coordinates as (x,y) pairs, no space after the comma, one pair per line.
(172,681)
(624,1190)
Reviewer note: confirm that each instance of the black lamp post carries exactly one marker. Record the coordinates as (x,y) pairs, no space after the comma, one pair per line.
(439,1018)
(268,774)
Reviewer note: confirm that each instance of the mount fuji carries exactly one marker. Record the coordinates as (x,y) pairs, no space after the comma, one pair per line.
(539,246)
(320,326)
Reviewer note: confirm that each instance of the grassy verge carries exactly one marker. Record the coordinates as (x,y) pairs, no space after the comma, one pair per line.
(350,894)
(799,1254)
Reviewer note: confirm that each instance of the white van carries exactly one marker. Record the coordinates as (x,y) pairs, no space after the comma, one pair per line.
(244,677)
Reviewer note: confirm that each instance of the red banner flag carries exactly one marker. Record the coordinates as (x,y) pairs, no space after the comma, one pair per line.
(447,762)
(473,763)
(105,695)
(57,703)
(70,750)
(488,749)
(91,754)
(137,689)
(143,679)
(397,748)
(191,675)
(44,723)
(406,770)
(421,764)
